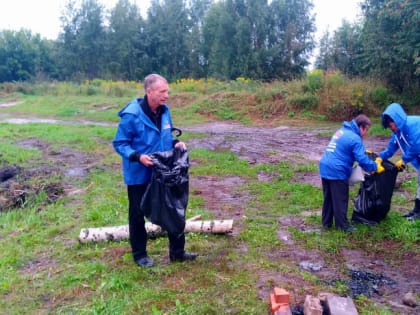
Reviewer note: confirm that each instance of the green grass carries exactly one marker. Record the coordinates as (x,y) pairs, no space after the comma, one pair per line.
(45,270)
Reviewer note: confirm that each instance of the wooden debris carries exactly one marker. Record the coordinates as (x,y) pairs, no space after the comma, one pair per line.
(116,233)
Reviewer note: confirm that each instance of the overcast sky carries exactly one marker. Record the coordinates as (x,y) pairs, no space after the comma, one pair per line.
(42,16)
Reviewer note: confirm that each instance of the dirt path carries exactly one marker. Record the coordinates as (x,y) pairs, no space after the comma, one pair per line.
(254,143)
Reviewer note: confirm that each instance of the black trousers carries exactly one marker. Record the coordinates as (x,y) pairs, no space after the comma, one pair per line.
(138,234)
(336,200)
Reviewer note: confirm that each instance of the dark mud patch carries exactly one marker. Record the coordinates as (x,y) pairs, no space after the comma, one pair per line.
(38,265)
(272,144)
(42,182)
(20,188)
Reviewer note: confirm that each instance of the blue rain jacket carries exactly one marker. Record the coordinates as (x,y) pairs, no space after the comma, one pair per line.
(345,147)
(137,133)
(407,138)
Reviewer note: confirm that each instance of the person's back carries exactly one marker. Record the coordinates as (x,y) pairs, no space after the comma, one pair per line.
(345,147)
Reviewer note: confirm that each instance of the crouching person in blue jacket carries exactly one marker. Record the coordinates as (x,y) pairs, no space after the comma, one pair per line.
(345,147)
(145,128)
(406,137)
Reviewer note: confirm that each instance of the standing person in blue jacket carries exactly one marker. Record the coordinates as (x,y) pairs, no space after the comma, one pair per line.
(145,128)
(406,137)
(345,147)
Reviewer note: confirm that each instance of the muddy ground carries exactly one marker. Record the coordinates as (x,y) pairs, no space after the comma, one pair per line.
(368,272)
(386,282)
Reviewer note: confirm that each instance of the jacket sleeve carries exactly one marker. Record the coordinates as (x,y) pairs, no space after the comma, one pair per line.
(413,152)
(124,137)
(362,158)
(390,149)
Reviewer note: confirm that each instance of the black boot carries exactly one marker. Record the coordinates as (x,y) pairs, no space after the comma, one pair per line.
(415,211)
(415,216)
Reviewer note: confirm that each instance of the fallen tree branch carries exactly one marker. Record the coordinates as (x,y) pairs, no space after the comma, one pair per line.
(195,218)
(116,233)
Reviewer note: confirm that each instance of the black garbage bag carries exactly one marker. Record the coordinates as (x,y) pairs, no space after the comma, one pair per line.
(165,201)
(373,200)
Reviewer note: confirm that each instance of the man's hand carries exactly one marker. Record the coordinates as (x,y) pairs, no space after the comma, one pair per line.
(146,160)
(380,169)
(400,165)
(181,145)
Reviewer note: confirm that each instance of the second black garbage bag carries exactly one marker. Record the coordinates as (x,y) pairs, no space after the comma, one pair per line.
(373,200)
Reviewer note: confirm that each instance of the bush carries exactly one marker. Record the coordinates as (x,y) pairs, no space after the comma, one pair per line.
(380,95)
(341,110)
(306,101)
(335,80)
(313,81)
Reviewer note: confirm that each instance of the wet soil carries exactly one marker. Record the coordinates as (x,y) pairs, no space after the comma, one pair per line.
(372,274)
(226,198)
(52,177)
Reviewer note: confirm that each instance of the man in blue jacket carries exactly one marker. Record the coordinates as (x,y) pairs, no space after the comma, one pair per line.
(345,147)
(406,137)
(145,127)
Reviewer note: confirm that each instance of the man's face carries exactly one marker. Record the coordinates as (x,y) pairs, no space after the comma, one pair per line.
(364,131)
(393,126)
(157,94)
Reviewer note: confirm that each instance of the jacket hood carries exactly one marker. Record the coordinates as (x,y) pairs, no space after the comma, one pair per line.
(352,126)
(397,113)
(133,107)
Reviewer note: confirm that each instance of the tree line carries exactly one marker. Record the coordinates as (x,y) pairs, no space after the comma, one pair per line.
(226,39)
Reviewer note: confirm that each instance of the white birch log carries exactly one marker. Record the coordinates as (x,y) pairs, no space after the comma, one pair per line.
(116,233)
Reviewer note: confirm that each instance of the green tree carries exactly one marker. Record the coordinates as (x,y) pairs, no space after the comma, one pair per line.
(290,40)
(17,55)
(219,32)
(391,41)
(168,35)
(324,58)
(126,52)
(197,12)
(25,56)
(82,41)
(341,51)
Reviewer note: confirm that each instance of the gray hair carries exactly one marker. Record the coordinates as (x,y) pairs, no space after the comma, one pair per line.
(151,79)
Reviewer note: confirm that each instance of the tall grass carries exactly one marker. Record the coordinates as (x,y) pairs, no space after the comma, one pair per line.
(322,96)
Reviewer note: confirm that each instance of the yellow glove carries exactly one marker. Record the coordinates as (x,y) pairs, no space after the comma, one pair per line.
(380,169)
(400,165)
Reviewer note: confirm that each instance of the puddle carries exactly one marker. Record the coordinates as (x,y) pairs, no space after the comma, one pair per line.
(11,104)
(21,121)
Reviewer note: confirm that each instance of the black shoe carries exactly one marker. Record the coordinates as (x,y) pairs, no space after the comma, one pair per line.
(409,214)
(415,216)
(415,211)
(350,229)
(184,257)
(145,262)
